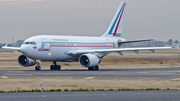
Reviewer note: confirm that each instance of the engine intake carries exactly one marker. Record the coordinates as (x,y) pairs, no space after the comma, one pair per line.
(89,60)
(25,61)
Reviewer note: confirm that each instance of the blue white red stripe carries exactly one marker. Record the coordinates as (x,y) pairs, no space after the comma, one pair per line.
(70,44)
(119,21)
(116,24)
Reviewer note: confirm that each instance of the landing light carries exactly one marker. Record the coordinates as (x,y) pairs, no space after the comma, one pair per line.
(49,53)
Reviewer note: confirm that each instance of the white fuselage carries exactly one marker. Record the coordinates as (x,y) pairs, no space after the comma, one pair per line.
(54,47)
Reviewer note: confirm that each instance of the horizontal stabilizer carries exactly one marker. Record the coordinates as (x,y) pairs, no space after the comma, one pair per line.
(135,41)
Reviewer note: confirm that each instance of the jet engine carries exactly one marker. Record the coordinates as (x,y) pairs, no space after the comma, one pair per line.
(25,61)
(89,60)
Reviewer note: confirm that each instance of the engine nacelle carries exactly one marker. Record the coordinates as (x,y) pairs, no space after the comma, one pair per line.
(89,60)
(25,61)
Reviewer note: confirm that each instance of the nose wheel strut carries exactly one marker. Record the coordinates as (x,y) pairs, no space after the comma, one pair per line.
(38,67)
(55,66)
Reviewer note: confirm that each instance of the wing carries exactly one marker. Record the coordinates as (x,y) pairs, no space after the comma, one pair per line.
(135,41)
(13,48)
(119,50)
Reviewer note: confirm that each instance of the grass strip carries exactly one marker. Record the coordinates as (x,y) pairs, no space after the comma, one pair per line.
(81,89)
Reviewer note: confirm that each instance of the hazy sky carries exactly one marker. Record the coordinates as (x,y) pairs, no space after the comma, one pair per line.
(144,19)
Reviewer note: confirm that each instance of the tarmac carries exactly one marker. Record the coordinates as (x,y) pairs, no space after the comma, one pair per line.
(165,95)
(166,73)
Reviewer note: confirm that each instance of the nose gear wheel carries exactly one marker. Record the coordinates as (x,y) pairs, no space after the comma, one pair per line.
(38,67)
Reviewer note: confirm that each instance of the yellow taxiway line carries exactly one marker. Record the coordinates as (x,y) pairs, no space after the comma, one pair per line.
(89,78)
(175,79)
(4,77)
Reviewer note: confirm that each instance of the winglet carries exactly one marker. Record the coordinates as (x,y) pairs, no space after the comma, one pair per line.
(176,46)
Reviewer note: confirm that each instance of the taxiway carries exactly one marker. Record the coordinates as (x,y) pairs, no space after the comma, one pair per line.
(166,73)
(95,96)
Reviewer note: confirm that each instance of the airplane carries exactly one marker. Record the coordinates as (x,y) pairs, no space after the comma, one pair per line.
(87,50)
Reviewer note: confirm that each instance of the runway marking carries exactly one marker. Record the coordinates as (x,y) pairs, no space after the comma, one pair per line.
(175,79)
(154,72)
(16,71)
(177,72)
(4,77)
(18,74)
(89,78)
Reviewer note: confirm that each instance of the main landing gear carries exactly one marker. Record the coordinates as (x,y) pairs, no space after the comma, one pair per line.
(55,66)
(38,67)
(95,68)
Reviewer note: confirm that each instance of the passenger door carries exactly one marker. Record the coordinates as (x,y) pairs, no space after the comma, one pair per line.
(46,45)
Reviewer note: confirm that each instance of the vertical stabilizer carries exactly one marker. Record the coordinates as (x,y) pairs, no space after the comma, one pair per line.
(116,25)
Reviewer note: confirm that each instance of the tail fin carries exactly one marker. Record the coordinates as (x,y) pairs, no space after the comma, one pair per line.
(115,27)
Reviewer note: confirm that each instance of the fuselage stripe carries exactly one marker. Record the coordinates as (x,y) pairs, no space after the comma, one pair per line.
(70,46)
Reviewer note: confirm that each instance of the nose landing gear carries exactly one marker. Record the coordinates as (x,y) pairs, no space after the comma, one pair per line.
(55,66)
(38,67)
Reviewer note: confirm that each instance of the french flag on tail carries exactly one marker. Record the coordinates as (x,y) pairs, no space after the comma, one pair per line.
(116,25)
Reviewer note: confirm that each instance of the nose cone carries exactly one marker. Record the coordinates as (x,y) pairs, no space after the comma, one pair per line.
(28,51)
(23,49)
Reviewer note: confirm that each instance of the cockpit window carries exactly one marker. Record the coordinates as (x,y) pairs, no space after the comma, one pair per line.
(27,43)
(32,43)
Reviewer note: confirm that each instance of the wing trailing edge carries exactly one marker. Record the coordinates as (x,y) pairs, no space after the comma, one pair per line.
(119,50)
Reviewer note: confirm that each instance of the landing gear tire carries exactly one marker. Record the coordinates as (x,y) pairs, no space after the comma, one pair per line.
(95,68)
(58,67)
(38,68)
(51,67)
(55,67)
(89,68)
